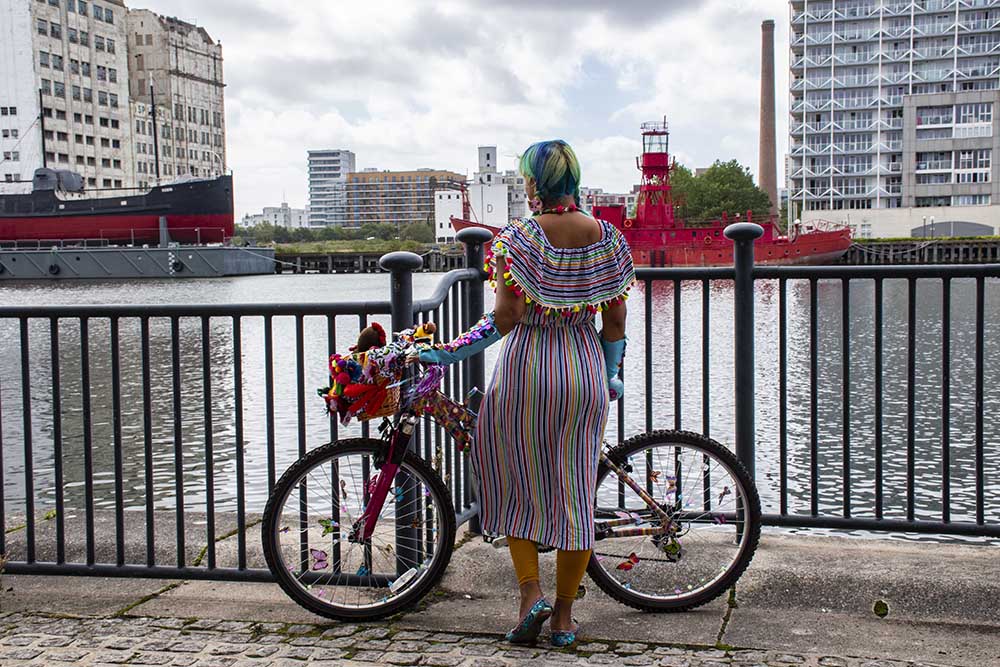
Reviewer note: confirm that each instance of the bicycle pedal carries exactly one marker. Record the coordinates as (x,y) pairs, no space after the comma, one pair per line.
(499,542)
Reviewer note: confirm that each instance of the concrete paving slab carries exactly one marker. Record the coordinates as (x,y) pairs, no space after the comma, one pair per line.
(77,596)
(479,594)
(846,634)
(919,581)
(226,600)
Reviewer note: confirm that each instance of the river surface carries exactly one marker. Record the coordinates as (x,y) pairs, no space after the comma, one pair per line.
(327,288)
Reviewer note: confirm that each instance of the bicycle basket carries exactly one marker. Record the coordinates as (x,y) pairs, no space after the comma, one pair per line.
(364,386)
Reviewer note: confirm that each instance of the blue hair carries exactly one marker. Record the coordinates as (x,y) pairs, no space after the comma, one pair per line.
(554,168)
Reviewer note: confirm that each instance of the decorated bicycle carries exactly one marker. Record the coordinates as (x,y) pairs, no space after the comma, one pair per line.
(363,528)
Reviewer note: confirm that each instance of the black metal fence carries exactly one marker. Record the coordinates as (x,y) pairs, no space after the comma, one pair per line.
(171,415)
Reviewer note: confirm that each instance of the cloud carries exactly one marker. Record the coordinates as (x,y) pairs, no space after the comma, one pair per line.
(422,83)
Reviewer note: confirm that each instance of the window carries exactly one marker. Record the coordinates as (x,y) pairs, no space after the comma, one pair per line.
(140,126)
(106,162)
(113,100)
(85,69)
(84,38)
(60,115)
(102,73)
(192,115)
(217,119)
(106,183)
(90,141)
(179,111)
(43,27)
(98,13)
(104,122)
(98,42)
(142,84)
(118,164)
(80,160)
(70,6)
(102,98)
(62,136)
(118,182)
(54,3)
(74,66)
(116,143)
(77,118)
(110,45)
(88,119)
(983,158)
(114,124)
(105,142)
(109,16)
(112,75)
(46,87)
(82,7)
(88,95)
(55,30)
(57,62)
(138,39)
(43,58)
(149,40)
(965,160)
(971,200)
(77,95)
(73,35)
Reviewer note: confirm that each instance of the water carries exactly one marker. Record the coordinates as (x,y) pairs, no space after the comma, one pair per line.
(320,288)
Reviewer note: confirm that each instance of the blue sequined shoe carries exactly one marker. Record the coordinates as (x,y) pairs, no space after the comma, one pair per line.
(527,630)
(564,638)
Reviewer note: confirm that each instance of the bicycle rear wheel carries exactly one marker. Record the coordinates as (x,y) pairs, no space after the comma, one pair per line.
(711,535)
(313,511)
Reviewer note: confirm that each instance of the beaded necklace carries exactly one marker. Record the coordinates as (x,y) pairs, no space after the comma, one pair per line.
(558,210)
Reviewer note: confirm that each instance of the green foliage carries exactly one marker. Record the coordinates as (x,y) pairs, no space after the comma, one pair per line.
(384,232)
(360,246)
(417,231)
(725,187)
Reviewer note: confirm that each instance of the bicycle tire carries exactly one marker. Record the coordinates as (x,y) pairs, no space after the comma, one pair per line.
(284,485)
(752,523)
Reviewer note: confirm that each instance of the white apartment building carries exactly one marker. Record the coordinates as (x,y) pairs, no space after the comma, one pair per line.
(328,170)
(279,216)
(74,53)
(893,114)
(591,197)
(183,65)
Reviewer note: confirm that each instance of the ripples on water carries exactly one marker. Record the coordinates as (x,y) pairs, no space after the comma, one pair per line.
(313,288)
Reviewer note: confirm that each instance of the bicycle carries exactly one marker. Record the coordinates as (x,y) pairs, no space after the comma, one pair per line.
(676,539)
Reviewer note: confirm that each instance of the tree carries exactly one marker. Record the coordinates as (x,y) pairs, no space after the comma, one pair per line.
(417,231)
(725,187)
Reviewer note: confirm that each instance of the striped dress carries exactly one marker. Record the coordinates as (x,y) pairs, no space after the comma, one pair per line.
(540,429)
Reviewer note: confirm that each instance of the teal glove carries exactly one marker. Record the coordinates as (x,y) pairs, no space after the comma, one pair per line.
(483,334)
(614,354)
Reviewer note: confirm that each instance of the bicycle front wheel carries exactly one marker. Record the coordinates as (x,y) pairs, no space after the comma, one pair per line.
(708,540)
(312,540)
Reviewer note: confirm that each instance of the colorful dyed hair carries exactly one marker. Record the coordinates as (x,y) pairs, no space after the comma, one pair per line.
(554,168)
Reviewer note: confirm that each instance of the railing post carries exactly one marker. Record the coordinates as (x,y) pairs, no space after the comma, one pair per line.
(401,266)
(474,238)
(743,234)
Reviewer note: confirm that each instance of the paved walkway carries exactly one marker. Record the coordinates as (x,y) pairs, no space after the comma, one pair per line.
(34,639)
(804,601)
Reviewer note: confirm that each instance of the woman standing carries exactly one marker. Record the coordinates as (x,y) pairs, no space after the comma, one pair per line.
(542,422)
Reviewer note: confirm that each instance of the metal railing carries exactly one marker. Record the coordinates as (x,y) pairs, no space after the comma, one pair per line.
(827,413)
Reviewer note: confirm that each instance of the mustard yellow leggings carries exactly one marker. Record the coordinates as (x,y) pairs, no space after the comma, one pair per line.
(570,567)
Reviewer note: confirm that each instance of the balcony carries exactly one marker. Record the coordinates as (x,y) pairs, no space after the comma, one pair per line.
(895,166)
(895,8)
(892,146)
(901,54)
(979,48)
(933,75)
(935,28)
(853,148)
(976,25)
(894,189)
(854,124)
(935,5)
(934,165)
(932,52)
(978,71)
(924,121)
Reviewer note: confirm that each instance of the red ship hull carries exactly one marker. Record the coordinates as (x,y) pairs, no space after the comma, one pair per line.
(199,211)
(687,246)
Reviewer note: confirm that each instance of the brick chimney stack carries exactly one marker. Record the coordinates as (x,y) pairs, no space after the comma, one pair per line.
(767,176)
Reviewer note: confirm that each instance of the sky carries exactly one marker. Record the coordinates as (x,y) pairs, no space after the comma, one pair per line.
(421,83)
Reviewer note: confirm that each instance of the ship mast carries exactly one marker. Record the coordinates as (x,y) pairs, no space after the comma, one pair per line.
(41,118)
(156,140)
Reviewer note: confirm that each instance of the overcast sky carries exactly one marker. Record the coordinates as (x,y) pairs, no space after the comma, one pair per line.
(414,83)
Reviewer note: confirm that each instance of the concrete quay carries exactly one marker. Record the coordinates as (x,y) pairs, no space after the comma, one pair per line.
(804,601)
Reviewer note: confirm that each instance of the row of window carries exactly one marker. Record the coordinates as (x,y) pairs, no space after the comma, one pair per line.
(980,158)
(194,114)
(81,37)
(959,177)
(12,156)
(953,200)
(58,89)
(105,14)
(8,111)
(11,178)
(85,140)
(975,112)
(8,134)
(59,114)
(54,61)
